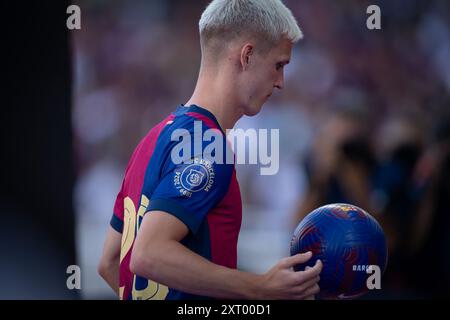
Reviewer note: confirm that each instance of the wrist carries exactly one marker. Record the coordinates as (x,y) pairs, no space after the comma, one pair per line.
(255,287)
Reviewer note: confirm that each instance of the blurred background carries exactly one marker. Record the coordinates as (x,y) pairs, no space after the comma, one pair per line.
(364,118)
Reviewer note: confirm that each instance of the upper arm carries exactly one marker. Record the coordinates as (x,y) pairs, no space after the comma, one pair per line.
(157,229)
(189,191)
(159,226)
(195,181)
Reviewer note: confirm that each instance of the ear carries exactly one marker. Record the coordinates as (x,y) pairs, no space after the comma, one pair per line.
(246,53)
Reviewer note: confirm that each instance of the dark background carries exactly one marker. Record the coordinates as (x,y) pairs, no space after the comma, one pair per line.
(37,217)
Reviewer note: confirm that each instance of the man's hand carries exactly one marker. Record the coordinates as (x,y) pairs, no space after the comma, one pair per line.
(282,282)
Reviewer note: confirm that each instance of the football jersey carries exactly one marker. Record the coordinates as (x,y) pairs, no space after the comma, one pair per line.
(202,193)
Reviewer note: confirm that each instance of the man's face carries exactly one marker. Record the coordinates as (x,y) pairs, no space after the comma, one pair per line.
(265,74)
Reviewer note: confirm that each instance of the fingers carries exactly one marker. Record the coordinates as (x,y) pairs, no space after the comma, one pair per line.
(303,287)
(309,275)
(297,259)
(308,294)
(311,272)
(311,292)
(297,285)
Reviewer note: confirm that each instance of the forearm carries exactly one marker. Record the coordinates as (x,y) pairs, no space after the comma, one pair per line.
(108,266)
(110,273)
(175,266)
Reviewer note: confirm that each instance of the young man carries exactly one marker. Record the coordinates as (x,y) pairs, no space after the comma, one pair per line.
(178,224)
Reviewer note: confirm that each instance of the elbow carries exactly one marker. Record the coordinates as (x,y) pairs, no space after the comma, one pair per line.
(107,266)
(135,263)
(144,265)
(102,269)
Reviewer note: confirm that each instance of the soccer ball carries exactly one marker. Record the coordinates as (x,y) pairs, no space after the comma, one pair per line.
(351,245)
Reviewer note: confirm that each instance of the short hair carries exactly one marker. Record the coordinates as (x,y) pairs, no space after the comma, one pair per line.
(227,20)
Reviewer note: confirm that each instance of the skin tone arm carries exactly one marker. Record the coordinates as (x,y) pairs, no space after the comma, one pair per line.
(109,263)
(158,255)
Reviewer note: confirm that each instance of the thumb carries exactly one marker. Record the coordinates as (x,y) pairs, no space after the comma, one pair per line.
(298,259)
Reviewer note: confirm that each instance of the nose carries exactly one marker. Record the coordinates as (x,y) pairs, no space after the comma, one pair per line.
(280,82)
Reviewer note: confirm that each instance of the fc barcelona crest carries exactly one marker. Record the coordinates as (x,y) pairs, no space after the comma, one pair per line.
(196,177)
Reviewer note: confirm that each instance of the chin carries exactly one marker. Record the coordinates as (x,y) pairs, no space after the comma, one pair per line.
(253,110)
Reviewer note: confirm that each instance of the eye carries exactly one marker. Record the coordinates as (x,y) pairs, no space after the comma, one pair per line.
(279,66)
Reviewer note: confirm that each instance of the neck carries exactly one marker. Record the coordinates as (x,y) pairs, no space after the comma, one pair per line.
(217,96)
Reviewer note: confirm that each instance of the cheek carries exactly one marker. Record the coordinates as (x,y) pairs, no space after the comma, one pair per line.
(260,83)
(267,77)
(276,74)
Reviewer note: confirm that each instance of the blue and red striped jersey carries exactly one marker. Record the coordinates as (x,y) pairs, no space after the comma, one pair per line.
(203,194)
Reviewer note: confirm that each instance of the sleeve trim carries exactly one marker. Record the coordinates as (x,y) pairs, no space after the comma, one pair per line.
(116,223)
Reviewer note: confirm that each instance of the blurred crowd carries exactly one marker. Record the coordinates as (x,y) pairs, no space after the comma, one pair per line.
(364,118)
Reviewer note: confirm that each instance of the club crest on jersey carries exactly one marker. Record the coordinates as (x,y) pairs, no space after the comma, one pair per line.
(195,177)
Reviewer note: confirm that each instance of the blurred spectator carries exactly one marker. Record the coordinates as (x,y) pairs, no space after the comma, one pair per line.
(395,194)
(431,231)
(340,165)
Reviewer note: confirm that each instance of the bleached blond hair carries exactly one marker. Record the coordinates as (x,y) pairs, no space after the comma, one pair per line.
(227,20)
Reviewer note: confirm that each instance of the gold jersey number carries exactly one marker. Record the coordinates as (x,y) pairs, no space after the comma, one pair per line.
(132,221)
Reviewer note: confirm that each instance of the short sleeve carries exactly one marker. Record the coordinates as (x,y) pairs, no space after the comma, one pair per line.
(117,217)
(116,221)
(190,190)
